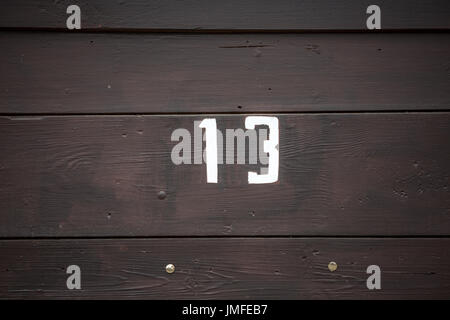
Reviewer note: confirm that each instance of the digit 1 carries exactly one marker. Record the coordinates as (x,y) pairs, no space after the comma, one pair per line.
(210,126)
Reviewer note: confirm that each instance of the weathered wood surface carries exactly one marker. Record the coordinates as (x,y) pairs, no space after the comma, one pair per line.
(226,15)
(160,73)
(340,174)
(90,182)
(230,268)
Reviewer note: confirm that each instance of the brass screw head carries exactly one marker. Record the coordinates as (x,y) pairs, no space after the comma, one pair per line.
(170,268)
(332,266)
(161,195)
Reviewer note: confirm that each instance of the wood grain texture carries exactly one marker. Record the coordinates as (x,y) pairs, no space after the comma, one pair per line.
(226,15)
(226,268)
(141,73)
(340,174)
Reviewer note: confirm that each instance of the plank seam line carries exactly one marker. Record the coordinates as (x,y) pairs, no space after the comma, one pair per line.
(221,31)
(229,237)
(100,114)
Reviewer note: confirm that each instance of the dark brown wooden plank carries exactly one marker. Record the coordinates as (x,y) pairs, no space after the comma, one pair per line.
(226,268)
(340,174)
(227,15)
(105,73)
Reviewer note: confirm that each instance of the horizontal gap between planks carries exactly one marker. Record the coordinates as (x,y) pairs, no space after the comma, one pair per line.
(220,31)
(100,114)
(231,237)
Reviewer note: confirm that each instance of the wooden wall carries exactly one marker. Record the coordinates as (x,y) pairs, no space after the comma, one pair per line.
(86,176)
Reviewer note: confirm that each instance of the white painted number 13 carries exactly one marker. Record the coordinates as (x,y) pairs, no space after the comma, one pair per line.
(270,147)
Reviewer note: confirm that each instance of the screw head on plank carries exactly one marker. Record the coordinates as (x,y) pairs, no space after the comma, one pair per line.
(170,268)
(161,195)
(332,266)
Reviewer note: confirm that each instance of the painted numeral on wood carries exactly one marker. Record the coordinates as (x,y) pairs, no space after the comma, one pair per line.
(210,126)
(270,147)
